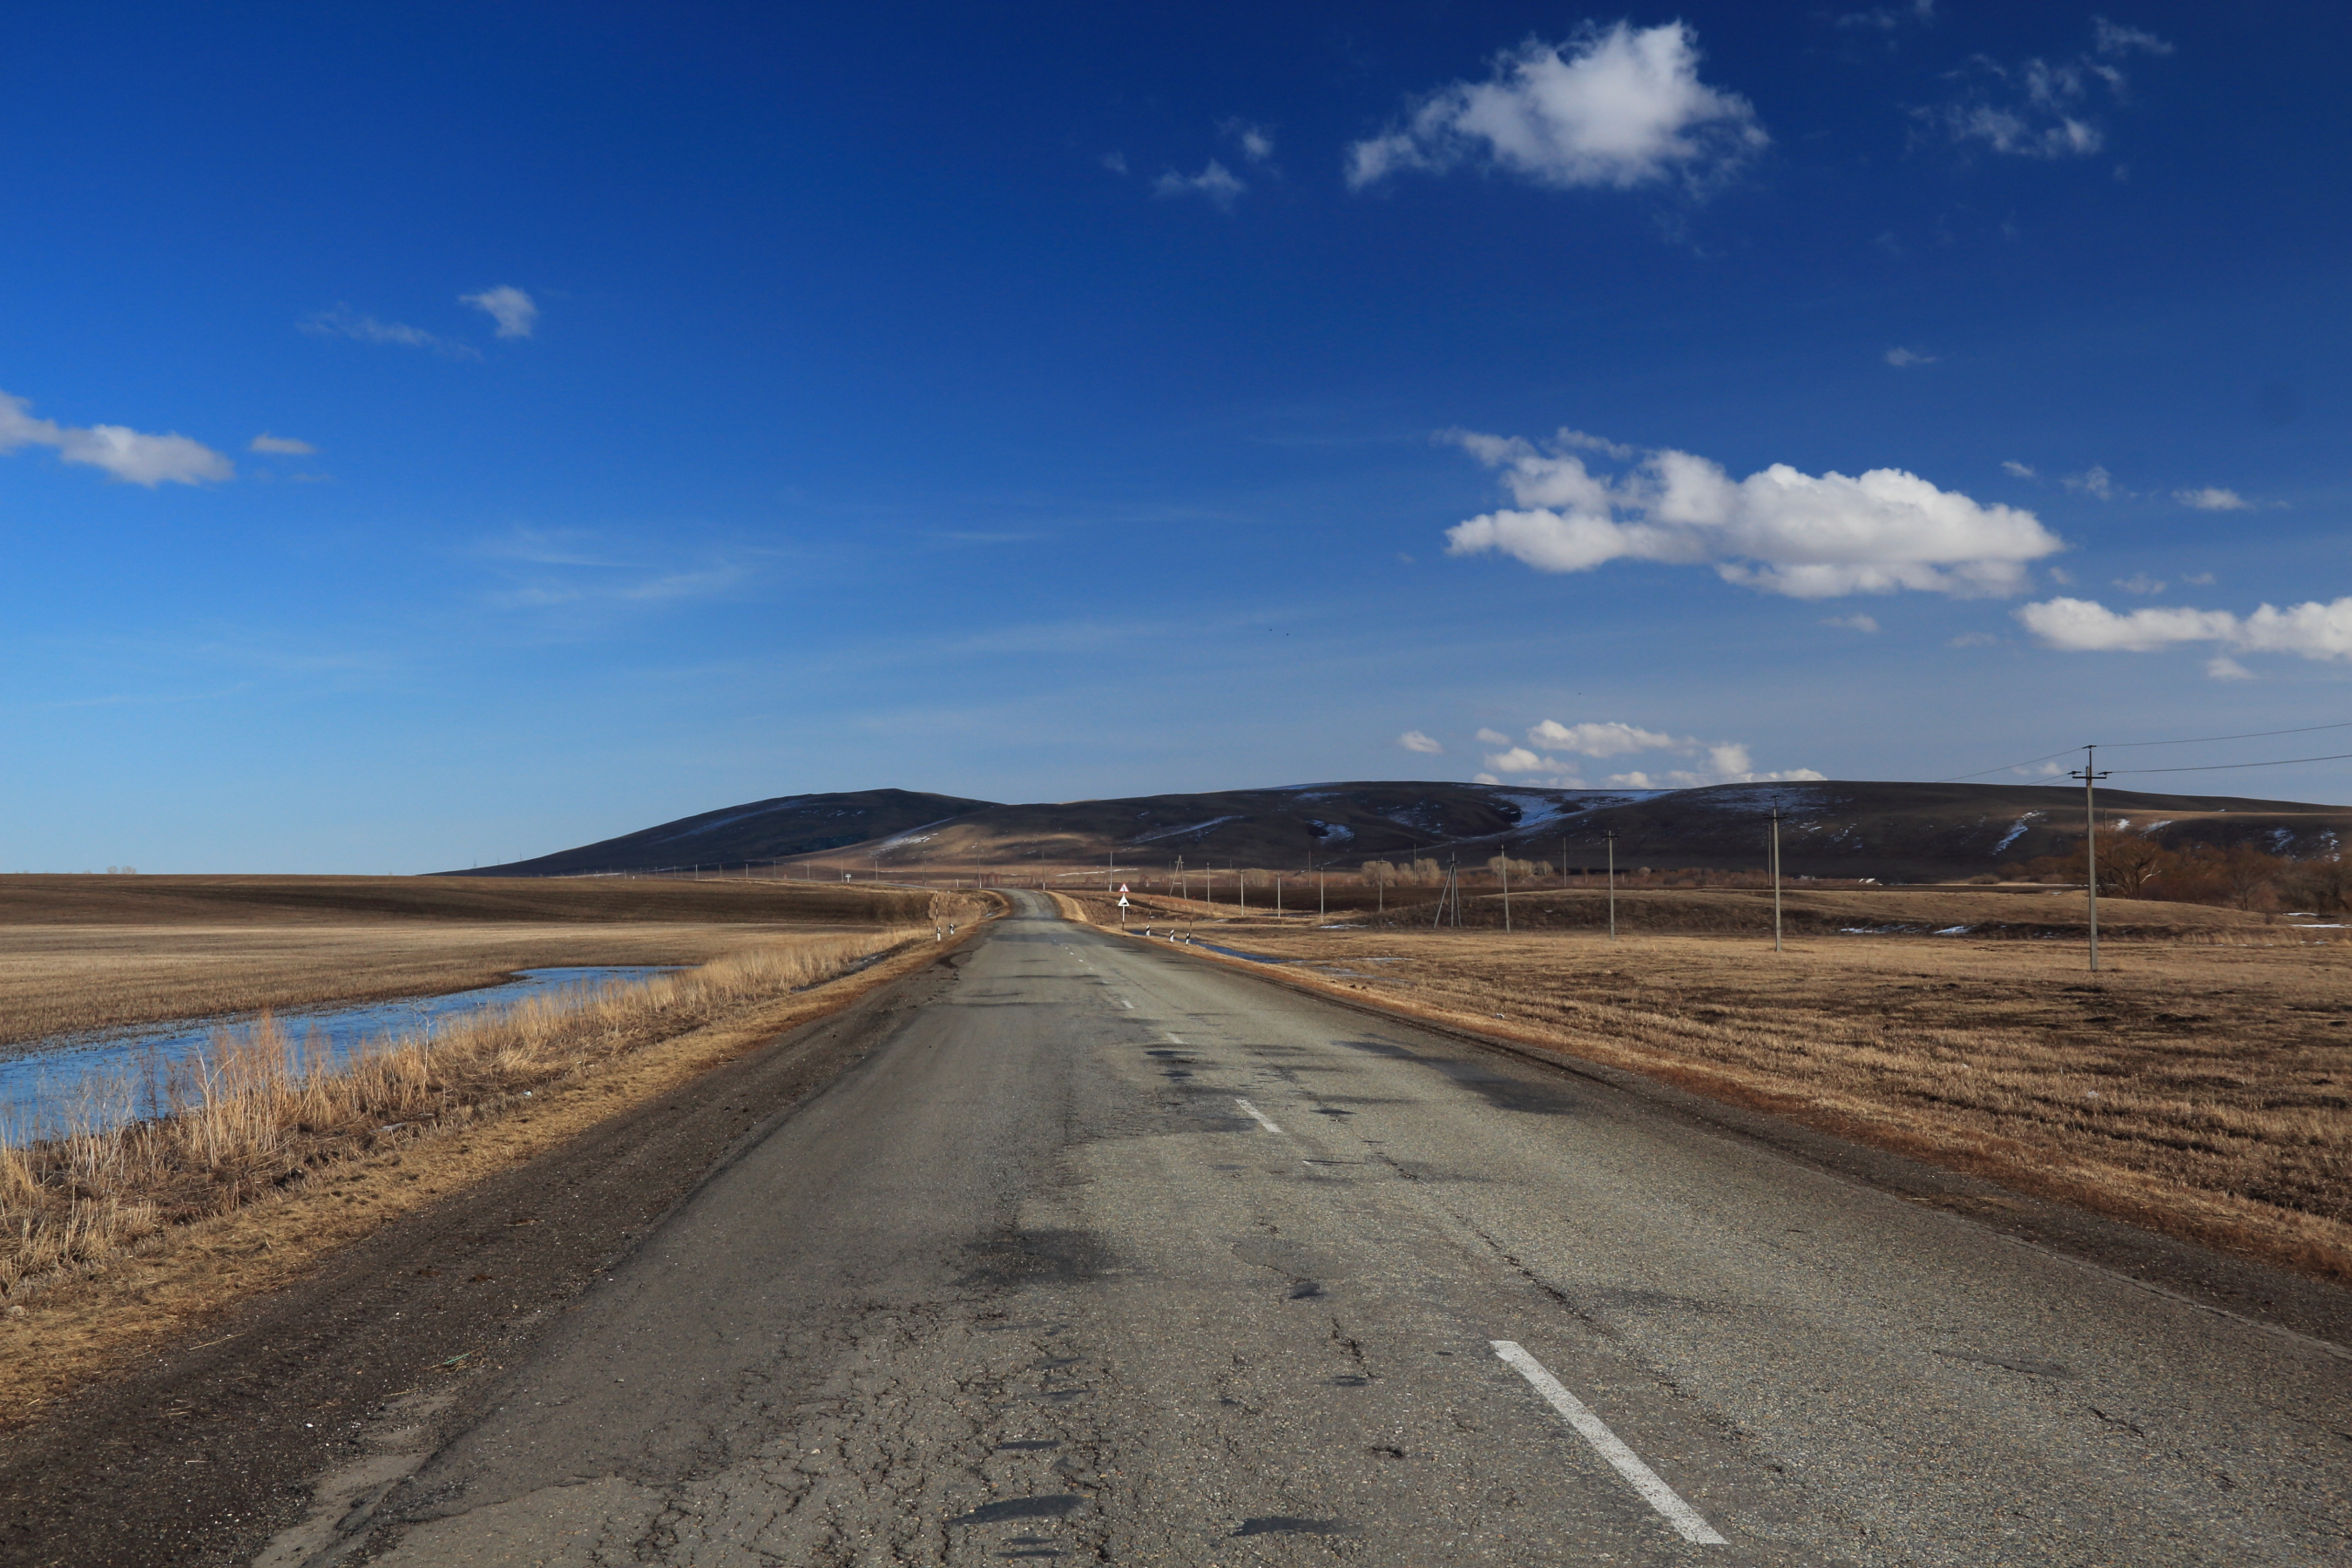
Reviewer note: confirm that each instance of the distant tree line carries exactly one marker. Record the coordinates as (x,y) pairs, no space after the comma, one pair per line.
(2136,865)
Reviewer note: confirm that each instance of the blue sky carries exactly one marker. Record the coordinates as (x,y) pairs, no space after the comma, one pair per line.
(442,433)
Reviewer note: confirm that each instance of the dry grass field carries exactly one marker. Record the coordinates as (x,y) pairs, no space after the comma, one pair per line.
(2201,1085)
(86,953)
(268,1120)
(168,1278)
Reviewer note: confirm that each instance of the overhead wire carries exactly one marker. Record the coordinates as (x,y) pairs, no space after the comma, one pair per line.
(2190,741)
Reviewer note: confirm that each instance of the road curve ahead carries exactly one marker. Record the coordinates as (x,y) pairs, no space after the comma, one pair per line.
(1109,1255)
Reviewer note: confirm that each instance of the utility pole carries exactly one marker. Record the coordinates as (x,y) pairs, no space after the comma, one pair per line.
(1506,890)
(1776,878)
(2089,774)
(1612,835)
(1179,875)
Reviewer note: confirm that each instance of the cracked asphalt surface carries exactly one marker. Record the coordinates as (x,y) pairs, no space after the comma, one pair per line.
(1031,1281)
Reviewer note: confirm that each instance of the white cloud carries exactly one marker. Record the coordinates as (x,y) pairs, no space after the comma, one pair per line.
(1617,107)
(126,454)
(342,323)
(2113,40)
(515,312)
(1493,737)
(1853,623)
(1216,183)
(2311,630)
(2212,498)
(1899,357)
(2221,667)
(2198,579)
(1779,530)
(2042,110)
(2140,582)
(1721,762)
(1887,18)
(2018,470)
(1256,143)
(2095,480)
(1605,740)
(1414,741)
(1485,779)
(282,445)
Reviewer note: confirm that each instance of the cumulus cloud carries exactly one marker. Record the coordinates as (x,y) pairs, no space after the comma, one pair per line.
(1216,184)
(343,322)
(1414,741)
(281,446)
(129,455)
(1606,740)
(1779,530)
(1719,762)
(2041,109)
(1900,357)
(2212,498)
(515,312)
(2311,630)
(1619,108)
(1494,738)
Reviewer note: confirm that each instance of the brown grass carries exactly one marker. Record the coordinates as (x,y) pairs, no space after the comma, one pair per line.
(2202,1088)
(92,1319)
(260,1110)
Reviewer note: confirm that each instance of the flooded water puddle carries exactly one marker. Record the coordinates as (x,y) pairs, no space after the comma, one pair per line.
(101,1080)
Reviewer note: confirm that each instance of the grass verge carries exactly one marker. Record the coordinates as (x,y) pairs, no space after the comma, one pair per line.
(126,1273)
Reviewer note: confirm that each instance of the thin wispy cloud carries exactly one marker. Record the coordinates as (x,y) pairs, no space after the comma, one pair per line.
(280,446)
(1902,357)
(343,321)
(130,455)
(1616,107)
(1215,184)
(2018,470)
(2039,108)
(2212,498)
(2093,481)
(1779,530)
(515,312)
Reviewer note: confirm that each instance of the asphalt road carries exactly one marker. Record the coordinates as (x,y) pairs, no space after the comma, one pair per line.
(1108,1253)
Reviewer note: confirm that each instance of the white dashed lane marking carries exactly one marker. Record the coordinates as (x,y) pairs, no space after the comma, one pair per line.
(1254,1114)
(1593,1430)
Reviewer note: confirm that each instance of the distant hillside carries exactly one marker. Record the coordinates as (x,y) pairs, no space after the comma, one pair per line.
(762,831)
(1892,831)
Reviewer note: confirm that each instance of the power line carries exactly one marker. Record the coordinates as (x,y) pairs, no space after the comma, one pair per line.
(2251,735)
(2007,767)
(2223,767)
(2190,741)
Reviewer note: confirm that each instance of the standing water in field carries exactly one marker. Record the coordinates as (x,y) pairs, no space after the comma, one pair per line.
(93,1082)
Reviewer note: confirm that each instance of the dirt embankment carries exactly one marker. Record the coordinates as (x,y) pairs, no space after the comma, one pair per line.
(2201,1089)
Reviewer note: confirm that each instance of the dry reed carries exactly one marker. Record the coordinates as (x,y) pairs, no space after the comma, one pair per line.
(260,1110)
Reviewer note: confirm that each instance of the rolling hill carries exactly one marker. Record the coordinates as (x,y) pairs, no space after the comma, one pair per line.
(1892,831)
